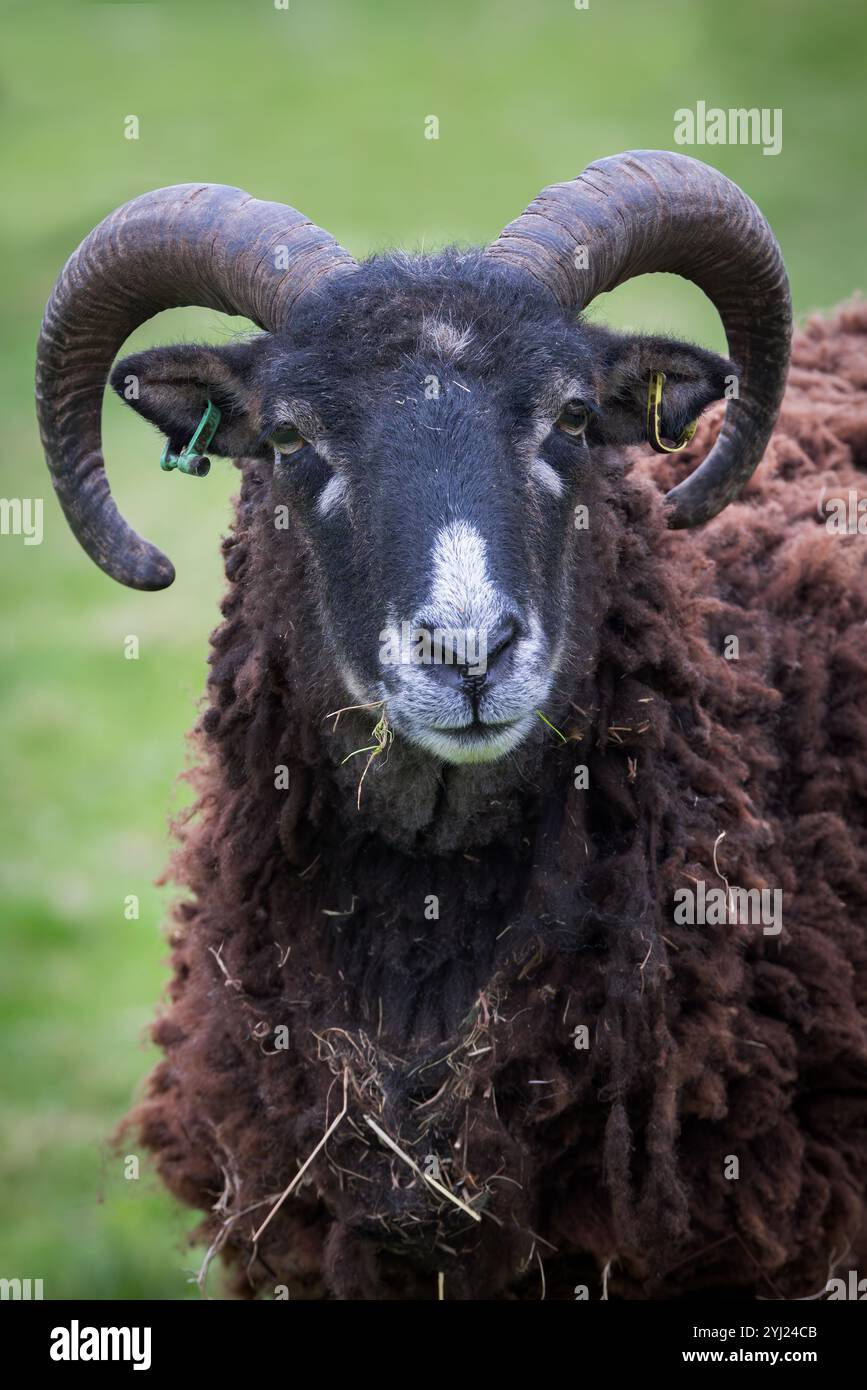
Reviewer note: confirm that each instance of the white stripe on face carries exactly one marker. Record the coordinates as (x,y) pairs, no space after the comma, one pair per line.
(547,477)
(332,495)
(462,595)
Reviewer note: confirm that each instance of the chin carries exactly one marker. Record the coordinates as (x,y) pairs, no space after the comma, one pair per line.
(477,744)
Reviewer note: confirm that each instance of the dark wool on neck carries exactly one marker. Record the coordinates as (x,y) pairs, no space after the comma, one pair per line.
(306,959)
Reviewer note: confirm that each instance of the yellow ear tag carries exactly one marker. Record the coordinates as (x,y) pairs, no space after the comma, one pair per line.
(654,405)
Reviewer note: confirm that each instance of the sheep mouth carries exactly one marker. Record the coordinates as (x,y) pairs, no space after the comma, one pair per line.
(475,726)
(476,742)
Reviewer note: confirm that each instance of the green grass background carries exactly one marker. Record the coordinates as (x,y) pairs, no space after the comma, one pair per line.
(321,105)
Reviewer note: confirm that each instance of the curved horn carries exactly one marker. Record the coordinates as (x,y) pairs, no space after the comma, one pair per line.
(651,210)
(203,244)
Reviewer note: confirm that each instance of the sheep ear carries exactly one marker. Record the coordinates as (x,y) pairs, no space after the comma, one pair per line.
(171,387)
(693,378)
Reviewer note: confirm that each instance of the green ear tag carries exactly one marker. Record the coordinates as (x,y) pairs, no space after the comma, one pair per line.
(191,458)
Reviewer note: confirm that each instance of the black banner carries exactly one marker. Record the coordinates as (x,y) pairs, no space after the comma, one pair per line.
(215,1338)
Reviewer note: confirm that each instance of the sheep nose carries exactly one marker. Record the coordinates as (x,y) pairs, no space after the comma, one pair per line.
(488,657)
(501,640)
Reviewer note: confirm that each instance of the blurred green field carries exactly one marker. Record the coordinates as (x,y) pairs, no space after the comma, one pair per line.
(321,105)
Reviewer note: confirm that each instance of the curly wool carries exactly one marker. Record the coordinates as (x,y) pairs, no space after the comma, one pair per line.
(305,967)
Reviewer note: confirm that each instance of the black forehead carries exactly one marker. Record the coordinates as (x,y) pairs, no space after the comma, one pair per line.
(401,317)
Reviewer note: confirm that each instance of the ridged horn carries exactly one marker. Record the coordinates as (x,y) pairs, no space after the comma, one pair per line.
(191,244)
(652,210)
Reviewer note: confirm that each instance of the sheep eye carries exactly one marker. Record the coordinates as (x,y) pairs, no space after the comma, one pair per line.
(573,418)
(287,440)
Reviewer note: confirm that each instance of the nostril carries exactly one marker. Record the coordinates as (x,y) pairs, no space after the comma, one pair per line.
(500,638)
(469,658)
(494,653)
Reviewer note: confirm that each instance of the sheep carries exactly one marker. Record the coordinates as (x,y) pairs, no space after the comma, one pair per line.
(439,1017)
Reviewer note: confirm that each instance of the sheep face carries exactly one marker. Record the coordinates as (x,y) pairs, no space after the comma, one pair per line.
(436,426)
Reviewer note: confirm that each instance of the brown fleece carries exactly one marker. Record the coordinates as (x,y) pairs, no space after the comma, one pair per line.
(457,1037)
